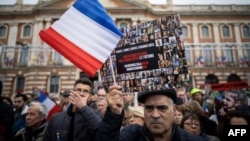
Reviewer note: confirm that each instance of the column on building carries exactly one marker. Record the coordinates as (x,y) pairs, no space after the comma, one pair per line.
(195,48)
(13,34)
(218,47)
(238,40)
(38,25)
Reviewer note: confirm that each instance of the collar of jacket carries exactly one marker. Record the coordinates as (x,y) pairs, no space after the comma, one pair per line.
(149,137)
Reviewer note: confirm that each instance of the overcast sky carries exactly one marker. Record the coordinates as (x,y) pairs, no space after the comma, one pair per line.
(177,2)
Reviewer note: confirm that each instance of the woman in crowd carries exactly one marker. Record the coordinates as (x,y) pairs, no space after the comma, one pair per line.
(192,124)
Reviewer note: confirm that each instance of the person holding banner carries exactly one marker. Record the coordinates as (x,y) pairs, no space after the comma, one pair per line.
(80,121)
(159,124)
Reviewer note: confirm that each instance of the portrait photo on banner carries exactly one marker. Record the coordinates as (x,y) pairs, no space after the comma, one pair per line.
(150,56)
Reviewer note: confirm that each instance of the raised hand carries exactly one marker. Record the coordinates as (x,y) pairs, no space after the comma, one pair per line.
(79,100)
(115,100)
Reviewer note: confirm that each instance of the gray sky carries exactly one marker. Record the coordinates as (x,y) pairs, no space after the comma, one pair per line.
(177,2)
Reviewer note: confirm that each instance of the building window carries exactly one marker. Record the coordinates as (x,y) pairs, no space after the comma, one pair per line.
(248,52)
(27,31)
(123,24)
(3,31)
(57,58)
(225,31)
(228,55)
(184,30)
(188,53)
(54,84)
(207,54)
(1,53)
(205,31)
(20,83)
(246,31)
(24,55)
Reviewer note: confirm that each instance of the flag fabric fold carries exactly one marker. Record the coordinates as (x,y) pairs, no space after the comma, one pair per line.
(51,106)
(84,34)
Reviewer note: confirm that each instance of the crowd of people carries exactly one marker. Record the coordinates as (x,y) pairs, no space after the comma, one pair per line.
(96,113)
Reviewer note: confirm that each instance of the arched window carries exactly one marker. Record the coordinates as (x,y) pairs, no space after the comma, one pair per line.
(184,30)
(246,31)
(3,31)
(233,78)
(207,54)
(205,31)
(211,79)
(54,84)
(229,56)
(24,56)
(20,83)
(188,53)
(225,31)
(123,24)
(27,31)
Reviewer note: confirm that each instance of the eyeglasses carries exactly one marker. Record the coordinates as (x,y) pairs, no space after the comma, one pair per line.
(81,90)
(192,124)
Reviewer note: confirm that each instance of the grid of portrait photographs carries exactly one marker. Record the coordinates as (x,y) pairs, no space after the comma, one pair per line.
(170,66)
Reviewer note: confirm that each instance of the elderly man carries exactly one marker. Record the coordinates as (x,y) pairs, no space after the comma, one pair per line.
(102,104)
(159,119)
(35,123)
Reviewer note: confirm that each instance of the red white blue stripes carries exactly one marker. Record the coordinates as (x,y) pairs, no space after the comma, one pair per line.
(84,34)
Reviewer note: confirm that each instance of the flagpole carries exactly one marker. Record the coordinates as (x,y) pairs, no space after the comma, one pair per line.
(112,69)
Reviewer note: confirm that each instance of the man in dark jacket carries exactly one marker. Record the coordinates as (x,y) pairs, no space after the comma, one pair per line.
(159,119)
(80,121)
(35,123)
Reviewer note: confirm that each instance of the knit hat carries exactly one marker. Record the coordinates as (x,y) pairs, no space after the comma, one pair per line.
(137,110)
(195,90)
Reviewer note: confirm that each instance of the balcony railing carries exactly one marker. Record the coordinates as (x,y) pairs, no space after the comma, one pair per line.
(218,55)
(197,55)
(25,56)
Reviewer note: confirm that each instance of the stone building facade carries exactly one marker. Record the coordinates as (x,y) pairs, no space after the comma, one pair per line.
(216,38)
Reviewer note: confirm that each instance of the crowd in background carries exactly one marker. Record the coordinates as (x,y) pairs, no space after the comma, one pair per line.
(196,112)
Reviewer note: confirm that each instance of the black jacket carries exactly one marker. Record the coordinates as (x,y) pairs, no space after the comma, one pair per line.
(84,125)
(109,130)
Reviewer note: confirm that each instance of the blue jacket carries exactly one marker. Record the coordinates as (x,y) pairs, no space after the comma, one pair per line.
(109,130)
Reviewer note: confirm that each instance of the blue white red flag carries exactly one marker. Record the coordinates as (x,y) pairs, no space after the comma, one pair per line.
(84,34)
(51,106)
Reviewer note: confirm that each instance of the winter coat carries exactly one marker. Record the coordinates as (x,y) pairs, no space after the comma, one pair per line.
(109,130)
(69,126)
(30,134)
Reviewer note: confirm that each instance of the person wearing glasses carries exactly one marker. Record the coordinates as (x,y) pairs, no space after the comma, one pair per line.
(192,124)
(79,121)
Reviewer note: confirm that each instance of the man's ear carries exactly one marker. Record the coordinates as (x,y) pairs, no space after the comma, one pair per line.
(174,107)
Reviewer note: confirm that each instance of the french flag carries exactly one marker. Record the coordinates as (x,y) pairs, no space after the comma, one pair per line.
(84,34)
(51,106)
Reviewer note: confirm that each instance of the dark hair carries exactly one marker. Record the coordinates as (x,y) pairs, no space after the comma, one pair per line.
(8,99)
(192,116)
(84,81)
(23,96)
(225,122)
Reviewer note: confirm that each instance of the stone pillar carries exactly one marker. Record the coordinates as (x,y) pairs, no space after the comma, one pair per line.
(238,40)
(12,34)
(38,25)
(196,48)
(218,47)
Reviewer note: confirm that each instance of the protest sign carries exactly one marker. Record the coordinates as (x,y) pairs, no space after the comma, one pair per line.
(150,56)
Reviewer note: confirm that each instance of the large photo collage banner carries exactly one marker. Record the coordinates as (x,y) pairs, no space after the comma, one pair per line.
(150,56)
